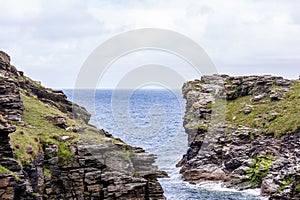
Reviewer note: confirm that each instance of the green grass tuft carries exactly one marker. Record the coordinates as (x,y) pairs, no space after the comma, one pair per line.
(4,170)
(259,169)
(47,172)
(297,188)
(285,182)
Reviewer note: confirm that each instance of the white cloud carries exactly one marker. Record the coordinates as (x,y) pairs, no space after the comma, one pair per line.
(247,36)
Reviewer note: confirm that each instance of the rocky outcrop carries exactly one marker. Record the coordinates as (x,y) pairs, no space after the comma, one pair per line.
(88,176)
(10,170)
(64,158)
(243,131)
(11,106)
(15,79)
(54,98)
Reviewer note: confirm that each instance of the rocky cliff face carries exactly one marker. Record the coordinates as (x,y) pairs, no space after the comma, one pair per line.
(49,151)
(244,131)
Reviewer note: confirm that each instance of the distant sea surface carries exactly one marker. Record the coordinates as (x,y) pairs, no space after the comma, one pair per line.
(152,119)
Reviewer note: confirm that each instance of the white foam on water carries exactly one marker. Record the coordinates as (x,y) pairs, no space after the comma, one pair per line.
(218,186)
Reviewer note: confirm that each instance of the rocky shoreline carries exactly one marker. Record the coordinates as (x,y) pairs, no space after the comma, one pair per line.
(244,131)
(49,151)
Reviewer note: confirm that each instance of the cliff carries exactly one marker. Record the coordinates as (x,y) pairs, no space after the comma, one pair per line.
(49,151)
(244,131)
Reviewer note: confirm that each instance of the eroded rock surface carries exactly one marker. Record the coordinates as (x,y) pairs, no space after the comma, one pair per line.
(242,131)
(80,163)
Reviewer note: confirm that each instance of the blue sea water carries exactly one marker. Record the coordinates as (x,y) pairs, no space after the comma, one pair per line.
(152,119)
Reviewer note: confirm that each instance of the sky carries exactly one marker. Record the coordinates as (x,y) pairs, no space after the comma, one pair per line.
(50,40)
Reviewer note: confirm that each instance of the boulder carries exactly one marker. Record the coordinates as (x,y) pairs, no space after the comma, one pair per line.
(57,120)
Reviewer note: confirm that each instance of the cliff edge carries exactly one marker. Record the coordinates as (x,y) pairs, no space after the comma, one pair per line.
(49,151)
(245,132)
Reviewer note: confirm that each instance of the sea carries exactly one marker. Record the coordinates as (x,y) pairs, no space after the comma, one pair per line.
(153,119)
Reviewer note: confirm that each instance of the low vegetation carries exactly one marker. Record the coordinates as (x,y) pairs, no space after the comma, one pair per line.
(285,182)
(4,170)
(272,117)
(39,133)
(47,172)
(259,169)
(297,188)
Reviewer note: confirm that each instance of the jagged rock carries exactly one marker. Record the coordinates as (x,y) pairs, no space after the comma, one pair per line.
(11,106)
(7,186)
(4,60)
(92,173)
(57,99)
(91,179)
(224,151)
(268,186)
(295,187)
(7,128)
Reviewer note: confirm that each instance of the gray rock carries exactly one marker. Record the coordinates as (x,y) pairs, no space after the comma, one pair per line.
(234,149)
(276,96)
(247,111)
(57,120)
(258,97)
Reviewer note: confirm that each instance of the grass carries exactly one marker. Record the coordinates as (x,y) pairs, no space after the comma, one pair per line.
(285,182)
(91,134)
(259,169)
(136,175)
(272,117)
(47,172)
(297,188)
(4,170)
(275,118)
(196,126)
(28,80)
(39,132)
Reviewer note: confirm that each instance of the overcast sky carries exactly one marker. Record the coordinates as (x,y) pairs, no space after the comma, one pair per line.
(50,40)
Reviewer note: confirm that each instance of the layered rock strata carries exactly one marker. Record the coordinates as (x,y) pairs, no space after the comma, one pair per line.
(245,132)
(49,151)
